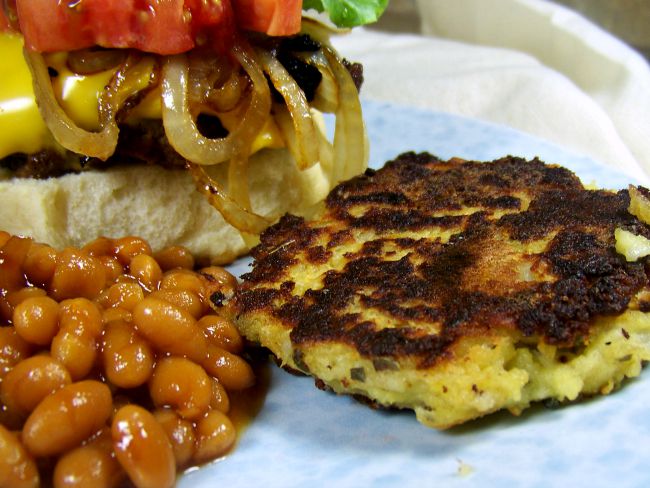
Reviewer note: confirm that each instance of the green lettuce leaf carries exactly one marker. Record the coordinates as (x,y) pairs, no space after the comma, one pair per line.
(348,13)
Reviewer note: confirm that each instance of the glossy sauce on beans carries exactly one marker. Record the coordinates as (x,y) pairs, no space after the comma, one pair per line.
(114,367)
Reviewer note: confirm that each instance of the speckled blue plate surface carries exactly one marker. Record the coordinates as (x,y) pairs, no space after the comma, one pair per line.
(306,437)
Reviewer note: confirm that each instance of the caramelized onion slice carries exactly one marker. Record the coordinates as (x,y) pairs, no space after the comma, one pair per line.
(350,138)
(94,144)
(136,76)
(238,181)
(327,94)
(305,149)
(233,213)
(179,123)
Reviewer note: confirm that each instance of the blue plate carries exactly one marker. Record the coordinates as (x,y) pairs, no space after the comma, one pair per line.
(306,437)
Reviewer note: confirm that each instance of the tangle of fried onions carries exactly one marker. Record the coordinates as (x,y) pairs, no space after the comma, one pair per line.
(180,127)
(195,85)
(183,134)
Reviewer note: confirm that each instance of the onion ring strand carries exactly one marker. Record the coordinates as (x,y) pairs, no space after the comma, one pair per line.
(232,213)
(304,150)
(350,138)
(67,133)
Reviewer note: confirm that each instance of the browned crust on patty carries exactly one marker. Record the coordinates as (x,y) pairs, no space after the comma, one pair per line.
(470,284)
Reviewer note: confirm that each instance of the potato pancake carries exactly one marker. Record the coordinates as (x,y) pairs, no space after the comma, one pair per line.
(454,288)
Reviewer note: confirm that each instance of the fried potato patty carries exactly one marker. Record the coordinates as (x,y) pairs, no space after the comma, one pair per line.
(454,288)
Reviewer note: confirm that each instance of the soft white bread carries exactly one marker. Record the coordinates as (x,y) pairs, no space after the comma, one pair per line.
(159,205)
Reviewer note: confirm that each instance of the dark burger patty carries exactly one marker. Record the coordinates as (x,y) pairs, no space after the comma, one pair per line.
(145,143)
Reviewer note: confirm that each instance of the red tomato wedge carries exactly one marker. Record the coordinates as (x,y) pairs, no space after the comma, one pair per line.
(274,17)
(158,26)
(52,25)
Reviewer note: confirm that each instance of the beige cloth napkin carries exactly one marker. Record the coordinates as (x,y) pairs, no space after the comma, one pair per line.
(528,64)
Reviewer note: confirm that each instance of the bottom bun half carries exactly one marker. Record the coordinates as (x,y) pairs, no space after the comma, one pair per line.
(159,205)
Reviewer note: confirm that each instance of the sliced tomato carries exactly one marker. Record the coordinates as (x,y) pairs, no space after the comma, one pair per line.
(274,17)
(208,14)
(49,28)
(158,26)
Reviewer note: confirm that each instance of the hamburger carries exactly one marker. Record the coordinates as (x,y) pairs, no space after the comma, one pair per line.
(185,122)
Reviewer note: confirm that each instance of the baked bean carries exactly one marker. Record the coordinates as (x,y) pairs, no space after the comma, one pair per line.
(146,270)
(185,299)
(81,316)
(8,303)
(76,352)
(102,246)
(13,349)
(232,371)
(221,332)
(182,279)
(218,279)
(75,344)
(215,435)
(91,465)
(18,296)
(12,256)
(13,298)
(182,385)
(169,328)
(175,257)
(142,448)
(116,314)
(112,267)
(30,381)
(77,274)
(126,278)
(39,264)
(17,468)
(123,295)
(36,319)
(128,360)
(67,417)
(180,433)
(220,400)
(126,248)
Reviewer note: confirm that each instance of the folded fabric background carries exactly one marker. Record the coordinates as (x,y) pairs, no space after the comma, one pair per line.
(528,64)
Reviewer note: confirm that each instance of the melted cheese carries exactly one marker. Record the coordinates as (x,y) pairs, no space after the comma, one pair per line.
(21,127)
(23,130)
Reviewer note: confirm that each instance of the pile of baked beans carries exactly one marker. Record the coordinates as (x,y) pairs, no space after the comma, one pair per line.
(114,367)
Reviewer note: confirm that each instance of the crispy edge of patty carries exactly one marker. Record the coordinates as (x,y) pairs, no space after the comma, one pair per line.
(487,375)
